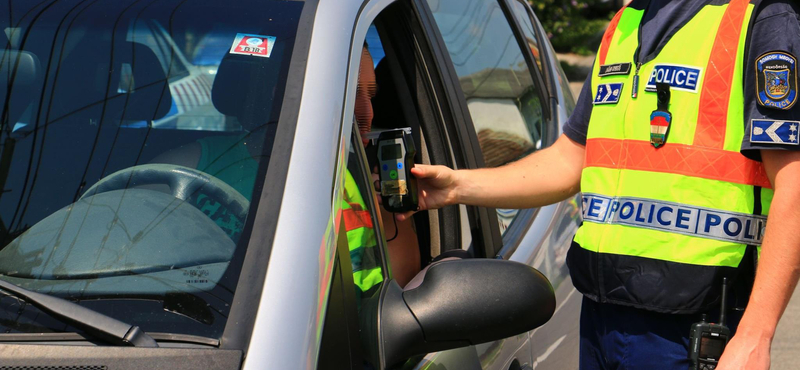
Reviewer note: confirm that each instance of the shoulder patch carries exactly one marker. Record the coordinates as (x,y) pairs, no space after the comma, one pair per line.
(776,80)
(608,93)
(768,131)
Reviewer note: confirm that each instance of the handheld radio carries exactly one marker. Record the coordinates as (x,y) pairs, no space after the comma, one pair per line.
(708,340)
(396,153)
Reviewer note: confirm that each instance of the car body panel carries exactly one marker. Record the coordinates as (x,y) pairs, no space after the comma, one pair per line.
(299,266)
(292,305)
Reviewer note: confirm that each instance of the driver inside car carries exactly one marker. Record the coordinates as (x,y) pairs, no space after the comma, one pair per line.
(234,160)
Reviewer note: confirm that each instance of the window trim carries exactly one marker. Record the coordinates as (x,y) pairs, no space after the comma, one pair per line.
(550,78)
(542,88)
(549,81)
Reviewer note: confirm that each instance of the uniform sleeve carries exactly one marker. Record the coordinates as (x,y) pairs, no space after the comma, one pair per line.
(776,29)
(578,123)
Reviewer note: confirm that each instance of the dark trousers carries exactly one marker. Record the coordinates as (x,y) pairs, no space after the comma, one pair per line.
(615,337)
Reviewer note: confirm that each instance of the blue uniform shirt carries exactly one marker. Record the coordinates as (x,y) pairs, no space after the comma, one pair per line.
(776,28)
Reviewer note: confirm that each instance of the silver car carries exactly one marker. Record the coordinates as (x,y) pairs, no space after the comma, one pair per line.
(175,178)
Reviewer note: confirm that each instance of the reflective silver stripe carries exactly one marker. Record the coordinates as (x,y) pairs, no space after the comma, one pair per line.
(675,217)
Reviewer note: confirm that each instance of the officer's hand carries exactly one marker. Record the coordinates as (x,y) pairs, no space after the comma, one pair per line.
(746,351)
(436,186)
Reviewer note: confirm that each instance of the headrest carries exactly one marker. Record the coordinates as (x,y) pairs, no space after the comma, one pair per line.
(244,86)
(388,113)
(127,83)
(21,70)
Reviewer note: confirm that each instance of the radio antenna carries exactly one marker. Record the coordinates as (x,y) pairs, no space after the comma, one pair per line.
(722,307)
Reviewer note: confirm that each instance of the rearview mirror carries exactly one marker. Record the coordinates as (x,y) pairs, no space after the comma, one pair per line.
(461,303)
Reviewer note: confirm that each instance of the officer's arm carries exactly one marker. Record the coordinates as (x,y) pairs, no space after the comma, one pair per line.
(544,177)
(778,267)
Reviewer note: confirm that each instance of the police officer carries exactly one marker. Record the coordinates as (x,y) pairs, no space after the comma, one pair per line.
(684,145)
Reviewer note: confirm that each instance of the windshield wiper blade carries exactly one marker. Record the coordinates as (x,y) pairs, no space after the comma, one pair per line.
(94,323)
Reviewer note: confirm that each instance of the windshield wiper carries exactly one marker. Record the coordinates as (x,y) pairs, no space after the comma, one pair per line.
(92,322)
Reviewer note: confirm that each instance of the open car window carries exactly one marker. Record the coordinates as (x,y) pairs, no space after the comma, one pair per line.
(134,137)
(503,96)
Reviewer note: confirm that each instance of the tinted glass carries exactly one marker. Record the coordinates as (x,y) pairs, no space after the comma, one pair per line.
(501,95)
(133,133)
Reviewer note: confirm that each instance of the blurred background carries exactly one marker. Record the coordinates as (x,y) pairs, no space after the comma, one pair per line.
(575,28)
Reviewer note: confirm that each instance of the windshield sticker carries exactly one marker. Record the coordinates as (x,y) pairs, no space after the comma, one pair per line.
(776,80)
(196,276)
(255,45)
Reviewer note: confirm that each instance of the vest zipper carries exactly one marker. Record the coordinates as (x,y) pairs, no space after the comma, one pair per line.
(635,90)
(636,55)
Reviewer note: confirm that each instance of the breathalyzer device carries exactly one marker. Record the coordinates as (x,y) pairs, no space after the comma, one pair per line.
(708,340)
(396,153)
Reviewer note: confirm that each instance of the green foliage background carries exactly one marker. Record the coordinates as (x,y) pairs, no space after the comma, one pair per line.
(574,25)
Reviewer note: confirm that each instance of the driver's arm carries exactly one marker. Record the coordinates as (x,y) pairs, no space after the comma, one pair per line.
(404,255)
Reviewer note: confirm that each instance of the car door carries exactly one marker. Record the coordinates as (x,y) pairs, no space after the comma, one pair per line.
(505,115)
(388,31)
(514,92)
(545,245)
(405,63)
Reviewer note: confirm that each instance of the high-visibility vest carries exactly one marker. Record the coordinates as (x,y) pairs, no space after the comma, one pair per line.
(360,237)
(663,226)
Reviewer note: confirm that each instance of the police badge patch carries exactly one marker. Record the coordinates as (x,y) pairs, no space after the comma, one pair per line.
(608,93)
(776,80)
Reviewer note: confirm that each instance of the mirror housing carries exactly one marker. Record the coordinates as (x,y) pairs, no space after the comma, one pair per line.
(461,303)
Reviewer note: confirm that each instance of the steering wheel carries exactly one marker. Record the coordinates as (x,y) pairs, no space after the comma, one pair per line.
(184,183)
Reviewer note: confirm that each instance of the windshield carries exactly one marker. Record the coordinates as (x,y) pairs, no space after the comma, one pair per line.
(133,136)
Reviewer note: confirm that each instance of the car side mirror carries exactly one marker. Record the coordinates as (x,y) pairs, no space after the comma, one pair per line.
(461,303)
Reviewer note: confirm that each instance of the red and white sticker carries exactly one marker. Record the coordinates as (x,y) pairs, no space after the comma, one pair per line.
(256,45)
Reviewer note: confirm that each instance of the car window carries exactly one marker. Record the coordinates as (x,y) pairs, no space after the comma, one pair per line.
(362,240)
(375,45)
(340,344)
(405,98)
(363,227)
(501,93)
(127,170)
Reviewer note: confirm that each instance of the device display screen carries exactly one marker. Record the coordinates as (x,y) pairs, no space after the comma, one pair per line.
(393,151)
(711,347)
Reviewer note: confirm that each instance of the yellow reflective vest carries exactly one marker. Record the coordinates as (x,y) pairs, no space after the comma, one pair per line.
(360,237)
(662,226)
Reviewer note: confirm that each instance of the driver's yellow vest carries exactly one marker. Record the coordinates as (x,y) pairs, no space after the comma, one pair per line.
(662,226)
(360,237)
